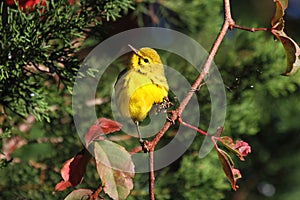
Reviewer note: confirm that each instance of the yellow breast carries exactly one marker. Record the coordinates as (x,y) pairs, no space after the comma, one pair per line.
(143,85)
(136,93)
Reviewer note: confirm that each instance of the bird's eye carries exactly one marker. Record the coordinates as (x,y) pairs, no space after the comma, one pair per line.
(146,60)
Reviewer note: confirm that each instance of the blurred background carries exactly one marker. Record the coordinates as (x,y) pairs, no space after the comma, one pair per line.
(41,51)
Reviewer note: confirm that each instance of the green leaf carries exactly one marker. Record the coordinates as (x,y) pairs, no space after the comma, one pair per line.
(115,168)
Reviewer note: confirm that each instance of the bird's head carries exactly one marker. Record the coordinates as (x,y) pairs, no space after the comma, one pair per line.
(143,56)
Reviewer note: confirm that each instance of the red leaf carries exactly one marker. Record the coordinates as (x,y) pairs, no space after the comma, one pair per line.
(231,173)
(62,185)
(28,5)
(107,125)
(236,173)
(240,149)
(101,127)
(73,170)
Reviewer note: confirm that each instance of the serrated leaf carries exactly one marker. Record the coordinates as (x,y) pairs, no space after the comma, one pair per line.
(80,194)
(115,168)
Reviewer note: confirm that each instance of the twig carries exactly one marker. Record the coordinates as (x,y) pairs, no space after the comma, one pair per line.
(249,29)
(228,22)
(150,146)
(153,16)
(136,150)
(192,127)
(95,194)
(151,175)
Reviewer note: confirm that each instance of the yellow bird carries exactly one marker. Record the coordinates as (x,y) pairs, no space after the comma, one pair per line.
(141,85)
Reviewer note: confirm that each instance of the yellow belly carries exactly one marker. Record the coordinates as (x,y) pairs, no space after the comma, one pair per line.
(136,93)
(142,100)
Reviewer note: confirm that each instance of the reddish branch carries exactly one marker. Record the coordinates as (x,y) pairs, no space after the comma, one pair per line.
(149,147)
(136,150)
(95,194)
(191,127)
(228,22)
(151,175)
(249,29)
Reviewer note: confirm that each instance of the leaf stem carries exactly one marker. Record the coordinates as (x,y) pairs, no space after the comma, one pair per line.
(249,29)
(192,127)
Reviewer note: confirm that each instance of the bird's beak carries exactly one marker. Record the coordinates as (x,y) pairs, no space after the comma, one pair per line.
(133,49)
